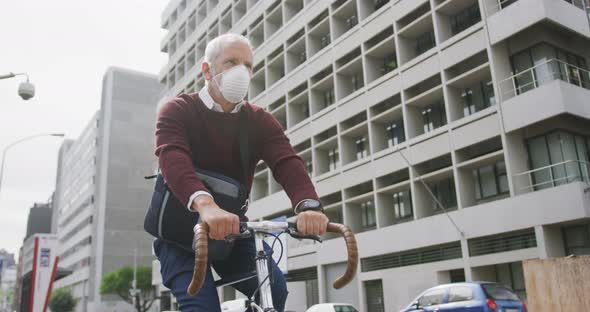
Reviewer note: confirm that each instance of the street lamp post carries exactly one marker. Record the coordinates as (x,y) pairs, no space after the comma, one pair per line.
(26,90)
(61,135)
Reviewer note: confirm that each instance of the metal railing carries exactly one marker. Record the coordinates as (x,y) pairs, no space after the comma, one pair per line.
(543,73)
(582,4)
(499,5)
(496,6)
(553,175)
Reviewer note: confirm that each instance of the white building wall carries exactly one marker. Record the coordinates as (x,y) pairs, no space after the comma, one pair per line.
(481,53)
(74,207)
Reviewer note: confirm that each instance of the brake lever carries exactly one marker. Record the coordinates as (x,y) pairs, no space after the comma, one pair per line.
(243,235)
(298,235)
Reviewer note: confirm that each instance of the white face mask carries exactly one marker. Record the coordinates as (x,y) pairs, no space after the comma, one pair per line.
(234,83)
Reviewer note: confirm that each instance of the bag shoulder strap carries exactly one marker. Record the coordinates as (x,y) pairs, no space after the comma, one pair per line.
(243,144)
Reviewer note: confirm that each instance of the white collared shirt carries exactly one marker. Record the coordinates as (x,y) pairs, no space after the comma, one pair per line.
(210,103)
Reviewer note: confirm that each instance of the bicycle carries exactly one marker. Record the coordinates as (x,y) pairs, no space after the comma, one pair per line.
(260,230)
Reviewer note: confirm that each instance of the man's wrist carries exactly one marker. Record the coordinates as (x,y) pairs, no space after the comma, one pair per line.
(308,205)
(200,201)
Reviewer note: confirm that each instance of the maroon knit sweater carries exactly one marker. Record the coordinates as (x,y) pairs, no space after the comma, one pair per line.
(189,134)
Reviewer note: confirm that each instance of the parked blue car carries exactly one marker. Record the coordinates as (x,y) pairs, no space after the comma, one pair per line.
(468,297)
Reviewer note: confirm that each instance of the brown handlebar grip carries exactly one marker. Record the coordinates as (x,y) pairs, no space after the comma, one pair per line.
(353,255)
(201,251)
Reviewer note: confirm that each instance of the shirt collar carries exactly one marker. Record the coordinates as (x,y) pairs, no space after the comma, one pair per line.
(210,103)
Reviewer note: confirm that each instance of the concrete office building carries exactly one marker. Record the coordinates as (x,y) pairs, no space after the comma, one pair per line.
(486,99)
(39,220)
(101,193)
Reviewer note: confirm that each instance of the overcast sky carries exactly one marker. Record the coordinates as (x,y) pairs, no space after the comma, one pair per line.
(65,46)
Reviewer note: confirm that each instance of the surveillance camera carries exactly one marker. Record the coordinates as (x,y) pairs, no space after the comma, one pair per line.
(26,90)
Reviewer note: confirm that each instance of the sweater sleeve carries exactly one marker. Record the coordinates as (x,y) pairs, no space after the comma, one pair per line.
(287,167)
(173,151)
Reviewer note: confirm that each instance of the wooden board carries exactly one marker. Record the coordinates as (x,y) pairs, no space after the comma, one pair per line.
(558,285)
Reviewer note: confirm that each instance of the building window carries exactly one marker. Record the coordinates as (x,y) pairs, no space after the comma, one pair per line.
(434,116)
(457,276)
(334,158)
(309,166)
(395,133)
(357,81)
(402,205)
(465,19)
(325,40)
(302,57)
(305,110)
(389,63)
(361,148)
(374,295)
(577,239)
(444,191)
(478,98)
(368,219)
(490,181)
(425,42)
(351,21)
(512,275)
(561,157)
(328,97)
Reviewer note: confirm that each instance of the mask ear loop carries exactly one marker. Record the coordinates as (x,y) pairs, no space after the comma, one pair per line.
(214,77)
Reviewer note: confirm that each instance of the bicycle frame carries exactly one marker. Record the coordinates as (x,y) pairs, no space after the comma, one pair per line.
(266,303)
(259,230)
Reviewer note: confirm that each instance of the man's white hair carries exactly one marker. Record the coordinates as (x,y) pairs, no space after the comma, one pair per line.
(215,47)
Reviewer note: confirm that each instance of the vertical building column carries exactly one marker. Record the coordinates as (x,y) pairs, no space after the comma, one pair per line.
(466,265)
(321,284)
(549,241)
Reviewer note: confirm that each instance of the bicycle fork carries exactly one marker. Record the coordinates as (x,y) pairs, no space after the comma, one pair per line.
(266,304)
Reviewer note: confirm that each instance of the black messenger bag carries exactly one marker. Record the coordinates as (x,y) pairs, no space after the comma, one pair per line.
(170,220)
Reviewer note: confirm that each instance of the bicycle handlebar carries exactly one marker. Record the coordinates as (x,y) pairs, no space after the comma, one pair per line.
(201,248)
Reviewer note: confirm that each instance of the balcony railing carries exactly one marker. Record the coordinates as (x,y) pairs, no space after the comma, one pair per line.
(582,4)
(541,74)
(553,175)
(498,5)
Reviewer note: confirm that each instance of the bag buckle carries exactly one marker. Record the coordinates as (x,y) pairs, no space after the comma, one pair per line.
(245,205)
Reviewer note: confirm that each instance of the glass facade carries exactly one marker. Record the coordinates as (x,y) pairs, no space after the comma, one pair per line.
(395,133)
(550,63)
(334,159)
(490,181)
(374,295)
(465,19)
(402,205)
(560,157)
(361,148)
(444,191)
(478,97)
(368,218)
(425,42)
(512,275)
(577,239)
(434,116)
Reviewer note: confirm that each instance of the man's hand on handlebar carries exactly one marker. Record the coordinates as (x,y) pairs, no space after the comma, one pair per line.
(312,223)
(220,222)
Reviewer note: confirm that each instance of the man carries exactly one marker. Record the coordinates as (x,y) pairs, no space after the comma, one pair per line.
(201,130)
